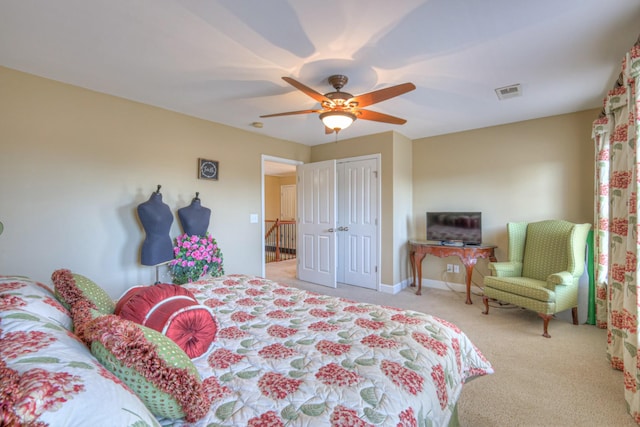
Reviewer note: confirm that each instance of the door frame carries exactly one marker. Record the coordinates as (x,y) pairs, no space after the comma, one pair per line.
(264,158)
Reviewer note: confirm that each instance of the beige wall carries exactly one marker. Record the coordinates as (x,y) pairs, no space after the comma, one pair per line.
(527,171)
(74,165)
(402,204)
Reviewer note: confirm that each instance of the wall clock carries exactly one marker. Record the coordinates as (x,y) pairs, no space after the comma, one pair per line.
(208,169)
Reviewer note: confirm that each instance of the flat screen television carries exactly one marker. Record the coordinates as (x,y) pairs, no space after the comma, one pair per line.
(455,227)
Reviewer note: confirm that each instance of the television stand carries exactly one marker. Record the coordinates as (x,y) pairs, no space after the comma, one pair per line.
(468,254)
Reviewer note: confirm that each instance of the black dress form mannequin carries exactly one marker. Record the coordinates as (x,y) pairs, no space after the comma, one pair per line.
(156,218)
(195,218)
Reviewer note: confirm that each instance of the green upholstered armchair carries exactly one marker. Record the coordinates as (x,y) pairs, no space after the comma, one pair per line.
(546,259)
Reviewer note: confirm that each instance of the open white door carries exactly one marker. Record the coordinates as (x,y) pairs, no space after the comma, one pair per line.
(317,223)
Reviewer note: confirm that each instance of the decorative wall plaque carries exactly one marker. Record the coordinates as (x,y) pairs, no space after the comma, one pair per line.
(208,169)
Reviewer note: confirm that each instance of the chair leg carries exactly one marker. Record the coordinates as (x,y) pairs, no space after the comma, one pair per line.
(546,318)
(485,300)
(574,313)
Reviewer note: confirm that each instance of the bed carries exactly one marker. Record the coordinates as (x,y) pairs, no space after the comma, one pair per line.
(287,357)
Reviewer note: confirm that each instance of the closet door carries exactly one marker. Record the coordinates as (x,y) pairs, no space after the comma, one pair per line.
(357,223)
(317,222)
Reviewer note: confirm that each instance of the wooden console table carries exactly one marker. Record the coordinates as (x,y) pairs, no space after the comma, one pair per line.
(468,255)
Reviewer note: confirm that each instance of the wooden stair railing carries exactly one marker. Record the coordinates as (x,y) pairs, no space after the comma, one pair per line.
(280,240)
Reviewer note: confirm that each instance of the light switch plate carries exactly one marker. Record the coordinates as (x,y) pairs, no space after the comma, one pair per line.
(253,218)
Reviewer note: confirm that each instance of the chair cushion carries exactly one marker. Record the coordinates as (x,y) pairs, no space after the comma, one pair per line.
(521,286)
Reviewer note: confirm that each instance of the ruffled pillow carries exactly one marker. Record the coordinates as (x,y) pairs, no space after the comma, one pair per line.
(71,288)
(152,365)
(82,313)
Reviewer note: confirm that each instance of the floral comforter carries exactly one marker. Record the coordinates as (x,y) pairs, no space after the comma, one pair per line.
(287,357)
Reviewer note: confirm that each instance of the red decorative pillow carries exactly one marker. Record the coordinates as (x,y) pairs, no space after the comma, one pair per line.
(173,311)
(124,299)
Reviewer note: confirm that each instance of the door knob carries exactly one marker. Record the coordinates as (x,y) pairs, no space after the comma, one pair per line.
(331,230)
(343,228)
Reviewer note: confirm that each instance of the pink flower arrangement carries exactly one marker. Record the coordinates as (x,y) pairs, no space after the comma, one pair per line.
(195,256)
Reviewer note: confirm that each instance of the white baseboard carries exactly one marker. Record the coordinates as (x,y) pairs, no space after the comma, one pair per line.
(394,289)
(426,283)
(447,286)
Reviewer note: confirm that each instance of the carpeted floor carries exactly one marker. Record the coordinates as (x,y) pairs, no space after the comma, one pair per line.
(562,381)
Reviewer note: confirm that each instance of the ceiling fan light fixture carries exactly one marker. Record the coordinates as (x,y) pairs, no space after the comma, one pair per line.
(337,120)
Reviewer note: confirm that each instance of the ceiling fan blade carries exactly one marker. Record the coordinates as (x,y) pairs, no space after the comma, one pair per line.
(290,113)
(379,117)
(306,89)
(382,94)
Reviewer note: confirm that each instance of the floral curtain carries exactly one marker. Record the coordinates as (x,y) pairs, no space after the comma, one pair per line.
(616,240)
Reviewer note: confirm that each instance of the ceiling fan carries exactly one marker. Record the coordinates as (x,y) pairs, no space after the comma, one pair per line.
(340,109)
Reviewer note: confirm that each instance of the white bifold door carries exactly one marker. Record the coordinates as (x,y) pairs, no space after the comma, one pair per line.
(338,223)
(317,222)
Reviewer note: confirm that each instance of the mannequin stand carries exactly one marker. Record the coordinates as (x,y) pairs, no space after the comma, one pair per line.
(157,266)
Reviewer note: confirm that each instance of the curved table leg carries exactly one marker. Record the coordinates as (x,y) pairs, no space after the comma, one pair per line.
(469,263)
(416,261)
(413,269)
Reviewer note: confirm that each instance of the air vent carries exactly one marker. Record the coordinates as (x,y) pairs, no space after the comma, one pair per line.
(509,91)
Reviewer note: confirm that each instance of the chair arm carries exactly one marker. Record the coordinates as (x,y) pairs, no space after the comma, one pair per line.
(561,278)
(506,269)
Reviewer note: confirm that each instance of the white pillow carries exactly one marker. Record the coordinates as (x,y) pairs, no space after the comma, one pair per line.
(19,293)
(59,382)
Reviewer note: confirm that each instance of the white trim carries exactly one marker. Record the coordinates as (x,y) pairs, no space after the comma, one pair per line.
(446,286)
(394,289)
(426,283)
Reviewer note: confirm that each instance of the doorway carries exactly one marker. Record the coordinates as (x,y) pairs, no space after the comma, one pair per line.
(279,170)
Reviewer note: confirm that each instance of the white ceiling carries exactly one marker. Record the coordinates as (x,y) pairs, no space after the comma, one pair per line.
(222,60)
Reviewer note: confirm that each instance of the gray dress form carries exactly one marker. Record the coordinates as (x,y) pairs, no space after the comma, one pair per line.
(195,218)
(156,218)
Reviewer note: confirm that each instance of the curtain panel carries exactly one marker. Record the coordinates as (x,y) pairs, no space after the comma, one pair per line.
(616,241)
